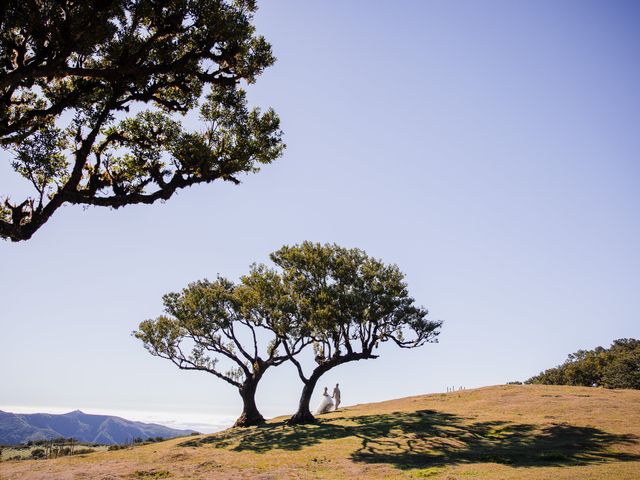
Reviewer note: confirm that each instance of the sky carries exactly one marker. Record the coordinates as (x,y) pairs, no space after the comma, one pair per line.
(489,149)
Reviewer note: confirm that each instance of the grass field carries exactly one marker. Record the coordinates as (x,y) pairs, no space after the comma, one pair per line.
(500,432)
(24,452)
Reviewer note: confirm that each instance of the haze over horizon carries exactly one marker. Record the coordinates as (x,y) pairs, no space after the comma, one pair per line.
(490,150)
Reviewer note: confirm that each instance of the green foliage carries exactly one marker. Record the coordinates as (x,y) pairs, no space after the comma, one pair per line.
(117,447)
(38,453)
(206,328)
(623,366)
(615,367)
(339,300)
(92,96)
(202,326)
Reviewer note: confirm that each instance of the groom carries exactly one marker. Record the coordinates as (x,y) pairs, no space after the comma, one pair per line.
(336,396)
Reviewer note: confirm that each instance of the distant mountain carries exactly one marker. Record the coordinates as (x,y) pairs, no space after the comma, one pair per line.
(16,428)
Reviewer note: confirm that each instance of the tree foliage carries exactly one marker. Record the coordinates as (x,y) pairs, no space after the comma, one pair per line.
(92,96)
(615,367)
(340,300)
(205,329)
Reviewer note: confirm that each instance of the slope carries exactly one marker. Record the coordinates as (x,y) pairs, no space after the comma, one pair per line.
(500,432)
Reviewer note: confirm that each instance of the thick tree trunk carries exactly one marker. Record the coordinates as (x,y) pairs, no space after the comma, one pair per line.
(250,415)
(304,415)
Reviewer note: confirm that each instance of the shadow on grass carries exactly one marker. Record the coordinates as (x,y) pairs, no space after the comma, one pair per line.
(429,438)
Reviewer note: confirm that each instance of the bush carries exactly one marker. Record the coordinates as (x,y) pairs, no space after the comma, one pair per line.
(615,367)
(623,371)
(38,453)
(116,447)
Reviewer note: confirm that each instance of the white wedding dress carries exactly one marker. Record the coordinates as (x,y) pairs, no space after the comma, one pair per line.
(326,404)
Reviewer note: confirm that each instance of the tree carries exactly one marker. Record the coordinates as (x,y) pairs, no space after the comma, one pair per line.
(623,366)
(92,95)
(615,367)
(204,324)
(341,300)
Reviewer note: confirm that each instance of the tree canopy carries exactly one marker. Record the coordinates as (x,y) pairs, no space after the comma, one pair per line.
(340,300)
(92,96)
(615,367)
(205,329)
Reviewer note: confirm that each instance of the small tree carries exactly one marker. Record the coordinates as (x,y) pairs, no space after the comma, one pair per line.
(342,301)
(205,324)
(92,95)
(623,364)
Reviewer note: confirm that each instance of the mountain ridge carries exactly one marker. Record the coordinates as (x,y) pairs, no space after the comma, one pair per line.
(17,428)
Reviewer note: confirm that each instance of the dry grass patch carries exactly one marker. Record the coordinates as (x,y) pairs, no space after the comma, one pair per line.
(503,432)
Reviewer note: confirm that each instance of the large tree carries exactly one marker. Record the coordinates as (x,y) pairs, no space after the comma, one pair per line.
(205,329)
(343,302)
(92,95)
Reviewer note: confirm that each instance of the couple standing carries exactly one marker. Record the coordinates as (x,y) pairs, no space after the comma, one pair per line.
(327,403)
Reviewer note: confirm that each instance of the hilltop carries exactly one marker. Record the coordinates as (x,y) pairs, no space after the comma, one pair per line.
(499,432)
(16,428)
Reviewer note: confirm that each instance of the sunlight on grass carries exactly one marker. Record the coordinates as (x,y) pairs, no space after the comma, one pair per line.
(506,433)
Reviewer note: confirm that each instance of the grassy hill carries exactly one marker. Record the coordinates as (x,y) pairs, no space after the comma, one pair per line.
(500,432)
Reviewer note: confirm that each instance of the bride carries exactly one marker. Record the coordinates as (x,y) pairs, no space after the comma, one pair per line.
(325,404)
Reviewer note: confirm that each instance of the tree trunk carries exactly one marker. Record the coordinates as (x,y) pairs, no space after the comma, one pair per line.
(304,415)
(250,415)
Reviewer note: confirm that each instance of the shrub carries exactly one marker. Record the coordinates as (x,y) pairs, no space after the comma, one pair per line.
(116,447)
(38,453)
(615,367)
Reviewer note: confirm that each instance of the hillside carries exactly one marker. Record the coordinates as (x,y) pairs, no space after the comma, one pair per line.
(104,429)
(500,432)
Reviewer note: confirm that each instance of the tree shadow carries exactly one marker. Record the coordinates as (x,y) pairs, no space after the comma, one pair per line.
(429,438)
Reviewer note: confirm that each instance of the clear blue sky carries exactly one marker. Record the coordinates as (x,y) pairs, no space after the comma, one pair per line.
(490,149)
